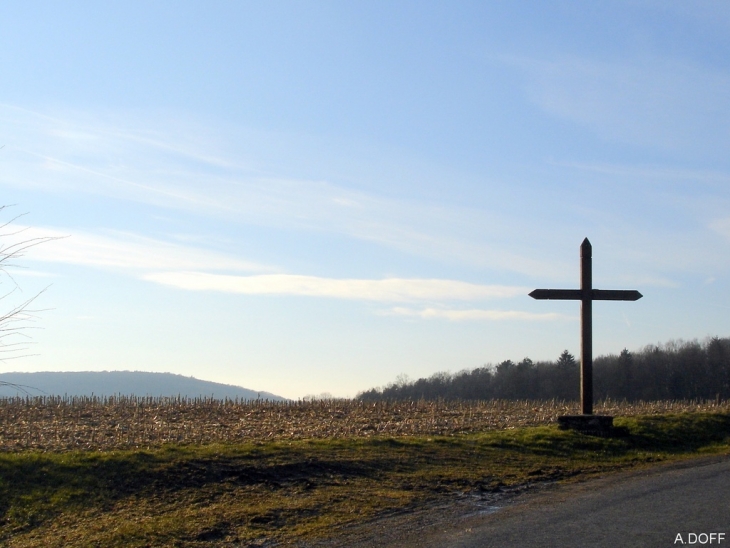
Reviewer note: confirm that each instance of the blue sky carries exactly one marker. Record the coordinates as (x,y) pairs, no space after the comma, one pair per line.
(308,197)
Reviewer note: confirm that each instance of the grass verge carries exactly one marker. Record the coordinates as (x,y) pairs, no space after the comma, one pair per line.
(288,491)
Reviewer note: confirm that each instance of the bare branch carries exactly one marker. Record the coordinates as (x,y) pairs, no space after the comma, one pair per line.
(16,321)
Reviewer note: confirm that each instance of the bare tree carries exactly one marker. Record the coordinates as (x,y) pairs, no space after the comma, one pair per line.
(18,318)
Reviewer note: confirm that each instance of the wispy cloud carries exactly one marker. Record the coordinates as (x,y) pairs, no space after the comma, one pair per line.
(645,281)
(654,102)
(390,289)
(173,171)
(722,227)
(24,272)
(472,314)
(168,169)
(652,173)
(118,250)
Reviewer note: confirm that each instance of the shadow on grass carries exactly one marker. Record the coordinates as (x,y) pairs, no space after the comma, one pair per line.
(35,488)
(135,473)
(673,434)
(677,433)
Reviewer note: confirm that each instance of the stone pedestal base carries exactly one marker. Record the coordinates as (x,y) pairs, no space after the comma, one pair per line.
(594,425)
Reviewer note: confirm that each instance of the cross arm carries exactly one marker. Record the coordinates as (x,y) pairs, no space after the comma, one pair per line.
(616,295)
(558,294)
(596,294)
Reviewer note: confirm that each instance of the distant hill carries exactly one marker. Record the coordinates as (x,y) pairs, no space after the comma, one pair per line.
(110,383)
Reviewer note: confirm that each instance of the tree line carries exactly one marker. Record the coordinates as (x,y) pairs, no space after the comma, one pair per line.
(672,371)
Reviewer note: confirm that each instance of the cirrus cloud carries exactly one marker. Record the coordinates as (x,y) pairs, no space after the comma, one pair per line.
(389,289)
(123,250)
(473,314)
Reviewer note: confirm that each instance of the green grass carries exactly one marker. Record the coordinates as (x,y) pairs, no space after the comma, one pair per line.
(287,491)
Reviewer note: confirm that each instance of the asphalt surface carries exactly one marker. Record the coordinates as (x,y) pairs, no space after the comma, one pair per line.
(659,508)
(663,506)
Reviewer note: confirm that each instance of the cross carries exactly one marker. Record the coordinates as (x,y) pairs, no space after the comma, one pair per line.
(586,295)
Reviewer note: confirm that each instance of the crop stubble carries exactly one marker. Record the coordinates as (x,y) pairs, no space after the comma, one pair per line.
(73,423)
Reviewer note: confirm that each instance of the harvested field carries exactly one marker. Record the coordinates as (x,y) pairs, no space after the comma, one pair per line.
(62,424)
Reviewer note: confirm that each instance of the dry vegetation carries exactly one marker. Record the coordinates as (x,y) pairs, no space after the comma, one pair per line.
(62,424)
(263,487)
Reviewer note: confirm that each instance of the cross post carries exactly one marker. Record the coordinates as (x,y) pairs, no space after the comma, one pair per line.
(586,295)
(586,328)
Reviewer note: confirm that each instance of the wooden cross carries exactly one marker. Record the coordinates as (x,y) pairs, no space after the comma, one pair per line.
(586,295)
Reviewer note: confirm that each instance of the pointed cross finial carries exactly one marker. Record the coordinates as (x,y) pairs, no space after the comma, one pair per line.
(586,248)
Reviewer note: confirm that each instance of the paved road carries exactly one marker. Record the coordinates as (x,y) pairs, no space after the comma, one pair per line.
(650,510)
(647,508)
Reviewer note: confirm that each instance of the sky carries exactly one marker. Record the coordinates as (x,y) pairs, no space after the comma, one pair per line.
(317,197)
